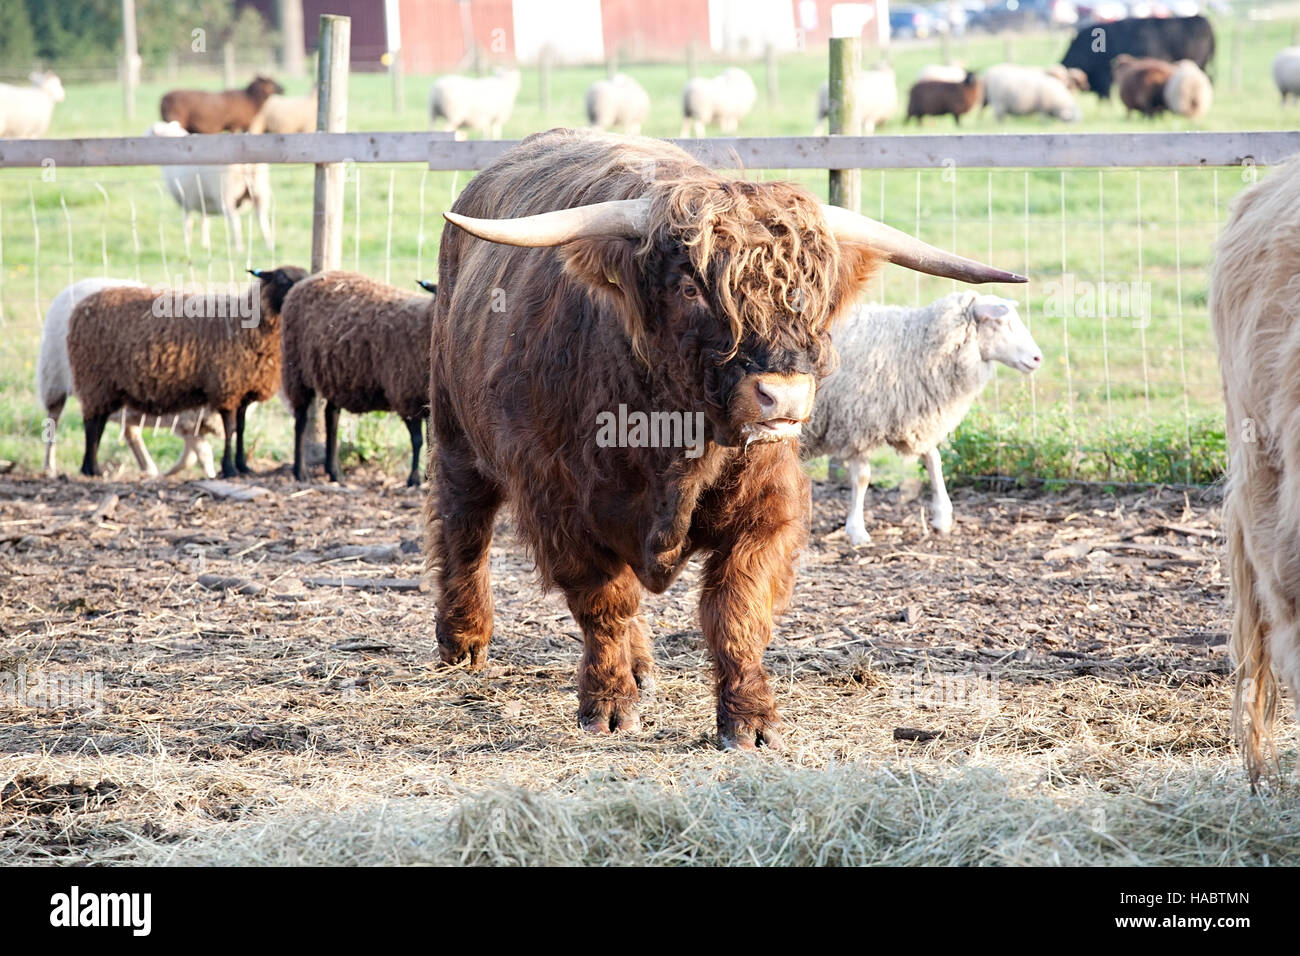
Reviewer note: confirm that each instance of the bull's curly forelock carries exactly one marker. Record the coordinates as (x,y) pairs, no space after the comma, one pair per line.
(761,249)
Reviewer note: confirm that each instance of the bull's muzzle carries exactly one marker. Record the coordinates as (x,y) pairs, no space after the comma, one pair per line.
(773,407)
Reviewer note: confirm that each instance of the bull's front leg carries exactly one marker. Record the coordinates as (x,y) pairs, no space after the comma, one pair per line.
(748,580)
(616,670)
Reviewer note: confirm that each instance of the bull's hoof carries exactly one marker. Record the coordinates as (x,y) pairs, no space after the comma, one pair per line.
(472,657)
(736,733)
(606,715)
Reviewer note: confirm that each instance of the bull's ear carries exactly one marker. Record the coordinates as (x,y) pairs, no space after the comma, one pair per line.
(607,267)
(858,263)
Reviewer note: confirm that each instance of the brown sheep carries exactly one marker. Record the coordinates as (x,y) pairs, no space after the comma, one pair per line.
(1142,83)
(163,351)
(230,110)
(363,346)
(940,98)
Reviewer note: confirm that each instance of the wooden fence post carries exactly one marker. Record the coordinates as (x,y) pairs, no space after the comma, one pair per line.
(327,208)
(845,184)
(230,81)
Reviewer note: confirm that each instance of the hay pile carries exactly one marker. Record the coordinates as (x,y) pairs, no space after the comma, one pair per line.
(767,815)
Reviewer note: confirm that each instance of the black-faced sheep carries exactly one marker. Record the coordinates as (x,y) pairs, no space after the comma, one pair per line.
(25,111)
(235,111)
(941,98)
(907,377)
(208,191)
(163,351)
(1254,305)
(876,101)
(619,101)
(361,345)
(482,103)
(54,384)
(723,101)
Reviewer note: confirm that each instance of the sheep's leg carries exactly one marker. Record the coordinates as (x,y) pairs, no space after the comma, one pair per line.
(859,479)
(94,432)
(241,463)
(228,469)
(204,448)
(263,219)
(50,430)
(205,232)
(940,504)
(236,227)
(332,441)
(187,458)
(415,427)
(300,440)
(135,441)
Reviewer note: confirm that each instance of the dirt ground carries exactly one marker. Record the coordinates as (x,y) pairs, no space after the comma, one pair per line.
(243,672)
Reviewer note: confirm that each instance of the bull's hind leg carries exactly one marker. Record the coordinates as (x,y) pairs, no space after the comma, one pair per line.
(459,513)
(614,646)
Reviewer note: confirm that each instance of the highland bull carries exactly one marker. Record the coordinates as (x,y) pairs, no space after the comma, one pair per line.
(618,272)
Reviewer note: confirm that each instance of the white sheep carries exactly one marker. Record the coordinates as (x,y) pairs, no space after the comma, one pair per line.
(907,378)
(1188,92)
(618,101)
(1286,72)
(481,103)
(944,72)
(54,384)
(217,190)
(25,111)
(876,101)
(1024,90)
(722,101)
(287,114)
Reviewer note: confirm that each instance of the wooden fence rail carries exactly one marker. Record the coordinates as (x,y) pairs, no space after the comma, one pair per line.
(442,152)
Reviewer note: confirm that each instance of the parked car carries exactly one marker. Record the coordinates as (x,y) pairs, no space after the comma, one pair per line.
(910,23)
(1102,11)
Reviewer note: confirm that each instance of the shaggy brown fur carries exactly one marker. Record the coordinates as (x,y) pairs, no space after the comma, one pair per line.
(361,345)
(230,110)
(121,353)
(1255,308)
(733,287)
(941,98)
(1142,83)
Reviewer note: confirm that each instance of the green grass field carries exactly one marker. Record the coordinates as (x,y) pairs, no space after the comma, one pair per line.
(1128,393)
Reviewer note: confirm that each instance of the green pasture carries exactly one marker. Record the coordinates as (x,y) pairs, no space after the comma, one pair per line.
(1129,389)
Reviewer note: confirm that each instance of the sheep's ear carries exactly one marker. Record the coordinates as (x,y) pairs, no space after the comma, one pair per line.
(986,309)
(607,267)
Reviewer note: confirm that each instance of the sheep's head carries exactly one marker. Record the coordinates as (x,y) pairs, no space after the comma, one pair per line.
(169,128)
(1002,336)
(50,85)
(263,88)
(276,284)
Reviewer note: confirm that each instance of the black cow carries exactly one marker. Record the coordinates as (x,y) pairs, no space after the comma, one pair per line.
(1172,39)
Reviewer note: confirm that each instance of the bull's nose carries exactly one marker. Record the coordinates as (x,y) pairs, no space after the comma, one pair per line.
(784,396)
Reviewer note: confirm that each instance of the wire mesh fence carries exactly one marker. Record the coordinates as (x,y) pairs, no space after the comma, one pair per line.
(1118,260)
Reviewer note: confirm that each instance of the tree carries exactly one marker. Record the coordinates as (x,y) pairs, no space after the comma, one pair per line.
(17,41)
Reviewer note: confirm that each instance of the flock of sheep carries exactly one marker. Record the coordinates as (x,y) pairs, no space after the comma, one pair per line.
(910,374)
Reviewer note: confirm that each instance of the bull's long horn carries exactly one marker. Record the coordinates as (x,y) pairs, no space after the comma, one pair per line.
(904,250)
(620,217)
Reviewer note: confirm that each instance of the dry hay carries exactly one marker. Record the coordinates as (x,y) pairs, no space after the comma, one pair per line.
(253,693)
